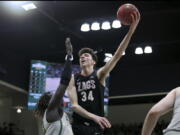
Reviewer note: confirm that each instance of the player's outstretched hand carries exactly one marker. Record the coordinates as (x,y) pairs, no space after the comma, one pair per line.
(69,48)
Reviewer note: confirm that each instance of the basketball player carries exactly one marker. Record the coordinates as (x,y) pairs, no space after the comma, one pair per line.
(86,88)
(168,103)
(50,106)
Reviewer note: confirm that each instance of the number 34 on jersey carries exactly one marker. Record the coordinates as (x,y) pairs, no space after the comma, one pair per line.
(87,96)
(86,90)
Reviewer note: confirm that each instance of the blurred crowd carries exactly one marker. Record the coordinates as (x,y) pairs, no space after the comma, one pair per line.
(135,129)
(117,129)
(10,129)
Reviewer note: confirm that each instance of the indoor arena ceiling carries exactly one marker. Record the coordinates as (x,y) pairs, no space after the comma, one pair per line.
(40,34)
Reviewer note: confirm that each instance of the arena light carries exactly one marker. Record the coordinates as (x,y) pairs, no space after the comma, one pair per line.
(14,6)
(116,24)
(19,110)
(95,26)
(106,25)
(148,49)
(17,7)
(108,56)
(85,27)
(139,50)
(28,6)
(106,59)
(123,53)
(16,3)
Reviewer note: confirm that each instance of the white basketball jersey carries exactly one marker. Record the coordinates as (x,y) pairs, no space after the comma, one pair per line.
(59,127)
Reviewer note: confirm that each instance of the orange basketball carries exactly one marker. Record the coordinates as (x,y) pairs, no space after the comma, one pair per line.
(124,13)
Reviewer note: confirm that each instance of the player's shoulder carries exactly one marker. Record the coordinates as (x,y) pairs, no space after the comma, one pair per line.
(177,90)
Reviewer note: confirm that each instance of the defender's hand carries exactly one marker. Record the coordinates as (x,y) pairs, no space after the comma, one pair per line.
(69,49)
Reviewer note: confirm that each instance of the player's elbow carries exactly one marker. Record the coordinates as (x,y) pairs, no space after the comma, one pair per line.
(74,107)
(154,113)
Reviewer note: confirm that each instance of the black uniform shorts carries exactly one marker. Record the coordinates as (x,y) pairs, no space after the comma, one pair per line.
(86,130)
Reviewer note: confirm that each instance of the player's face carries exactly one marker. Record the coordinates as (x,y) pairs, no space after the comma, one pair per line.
(86,60)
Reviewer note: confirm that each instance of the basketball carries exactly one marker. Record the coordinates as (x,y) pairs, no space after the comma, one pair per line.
(124,13)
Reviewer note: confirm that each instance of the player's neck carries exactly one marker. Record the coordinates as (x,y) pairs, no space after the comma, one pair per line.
(86,71)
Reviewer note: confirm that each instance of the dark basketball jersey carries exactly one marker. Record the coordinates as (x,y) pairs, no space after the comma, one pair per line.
(90,94)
